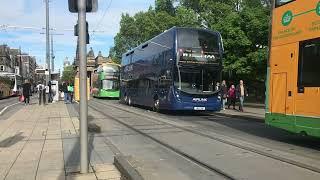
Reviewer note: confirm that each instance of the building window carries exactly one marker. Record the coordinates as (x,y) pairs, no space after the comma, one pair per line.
(309,63)
(1,68)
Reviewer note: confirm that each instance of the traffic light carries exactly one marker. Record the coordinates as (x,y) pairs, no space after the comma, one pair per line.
(76,31)
(91,5)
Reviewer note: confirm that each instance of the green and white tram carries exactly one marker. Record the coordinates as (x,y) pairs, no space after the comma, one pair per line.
(106,81)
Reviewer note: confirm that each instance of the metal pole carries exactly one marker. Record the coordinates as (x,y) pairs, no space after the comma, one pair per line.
(83,87)
(47,42)
(52,55)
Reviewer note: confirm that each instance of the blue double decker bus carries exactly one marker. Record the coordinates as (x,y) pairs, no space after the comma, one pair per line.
(176,70)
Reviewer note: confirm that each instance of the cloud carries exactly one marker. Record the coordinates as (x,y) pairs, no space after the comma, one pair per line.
(10,11)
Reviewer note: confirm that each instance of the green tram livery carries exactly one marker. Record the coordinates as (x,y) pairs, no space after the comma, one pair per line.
(106,81)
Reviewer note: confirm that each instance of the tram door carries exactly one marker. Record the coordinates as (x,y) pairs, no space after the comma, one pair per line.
(283,78)
(279,89)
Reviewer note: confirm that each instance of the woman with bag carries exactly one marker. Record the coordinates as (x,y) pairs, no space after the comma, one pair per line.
(232,97)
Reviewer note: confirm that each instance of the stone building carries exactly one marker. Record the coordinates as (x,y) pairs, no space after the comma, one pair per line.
(16,57)
(7,64)
(28,67)
(66,62)
(99,60)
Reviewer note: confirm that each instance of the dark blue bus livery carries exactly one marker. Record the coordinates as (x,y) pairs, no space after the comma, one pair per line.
(176,70)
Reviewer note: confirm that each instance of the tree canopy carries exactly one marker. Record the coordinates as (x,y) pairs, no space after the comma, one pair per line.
(243,25)
(68,74)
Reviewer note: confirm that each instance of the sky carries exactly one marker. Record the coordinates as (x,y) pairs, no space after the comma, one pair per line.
(31,13)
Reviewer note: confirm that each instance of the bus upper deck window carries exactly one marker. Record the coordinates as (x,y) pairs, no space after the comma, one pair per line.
(282,2)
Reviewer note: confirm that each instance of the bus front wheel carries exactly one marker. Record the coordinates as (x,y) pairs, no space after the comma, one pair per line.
(129,101)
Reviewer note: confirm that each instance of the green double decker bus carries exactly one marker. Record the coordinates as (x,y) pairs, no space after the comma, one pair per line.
(106,81)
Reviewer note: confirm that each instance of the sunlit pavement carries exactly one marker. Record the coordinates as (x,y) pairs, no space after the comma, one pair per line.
(254,113)
(180,145)
(41,142)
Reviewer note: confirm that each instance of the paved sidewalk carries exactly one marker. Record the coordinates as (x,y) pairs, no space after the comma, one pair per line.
(42,142)
(253,113)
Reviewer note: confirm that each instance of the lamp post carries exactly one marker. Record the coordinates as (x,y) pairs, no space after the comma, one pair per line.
(47,43)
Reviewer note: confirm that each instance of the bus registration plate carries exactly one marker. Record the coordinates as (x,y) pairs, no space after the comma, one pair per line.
(199,108)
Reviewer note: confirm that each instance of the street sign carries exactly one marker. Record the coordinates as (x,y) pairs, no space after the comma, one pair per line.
(91,6)
(40,71)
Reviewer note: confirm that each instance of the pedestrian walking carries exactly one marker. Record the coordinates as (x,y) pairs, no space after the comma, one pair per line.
(70,92)
(40,88)
(26,92)
(64,89)
(232,96)
(50,92)
(224,91)
(241,91)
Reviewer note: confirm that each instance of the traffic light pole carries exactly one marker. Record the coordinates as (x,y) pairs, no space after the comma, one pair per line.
(83,87)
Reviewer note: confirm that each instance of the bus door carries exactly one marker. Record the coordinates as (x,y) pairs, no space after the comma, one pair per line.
(283,60)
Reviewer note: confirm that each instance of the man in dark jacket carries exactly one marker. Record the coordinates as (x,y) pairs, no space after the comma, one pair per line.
(50,92)
(241,92)
(26,92)
(224,91)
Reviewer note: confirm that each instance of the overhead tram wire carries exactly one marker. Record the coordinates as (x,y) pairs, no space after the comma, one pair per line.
(34,28)
(101,19)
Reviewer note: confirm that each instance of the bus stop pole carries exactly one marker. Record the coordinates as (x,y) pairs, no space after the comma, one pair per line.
(83,87)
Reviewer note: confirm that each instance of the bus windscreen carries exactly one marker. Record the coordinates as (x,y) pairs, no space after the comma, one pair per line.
(197,80)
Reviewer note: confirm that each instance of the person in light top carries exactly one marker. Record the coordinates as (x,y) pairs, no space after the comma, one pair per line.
(241,93)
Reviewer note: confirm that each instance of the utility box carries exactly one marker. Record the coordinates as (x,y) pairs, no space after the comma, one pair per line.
(55,90)
(76,89)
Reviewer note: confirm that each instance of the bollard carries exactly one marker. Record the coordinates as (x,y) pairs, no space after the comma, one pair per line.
(43,96)
(40,95)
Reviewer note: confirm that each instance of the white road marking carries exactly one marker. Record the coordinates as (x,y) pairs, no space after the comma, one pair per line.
(5,108)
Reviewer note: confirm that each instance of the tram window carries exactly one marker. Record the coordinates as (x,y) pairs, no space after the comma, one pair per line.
(309,63)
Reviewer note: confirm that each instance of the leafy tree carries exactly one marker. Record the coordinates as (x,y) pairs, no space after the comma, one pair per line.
(164,5)
(187,17)
(192,4)
(68,74)
(243,25)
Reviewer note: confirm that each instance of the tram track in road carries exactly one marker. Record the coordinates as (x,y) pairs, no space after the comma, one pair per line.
(167,146)
(221,140)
